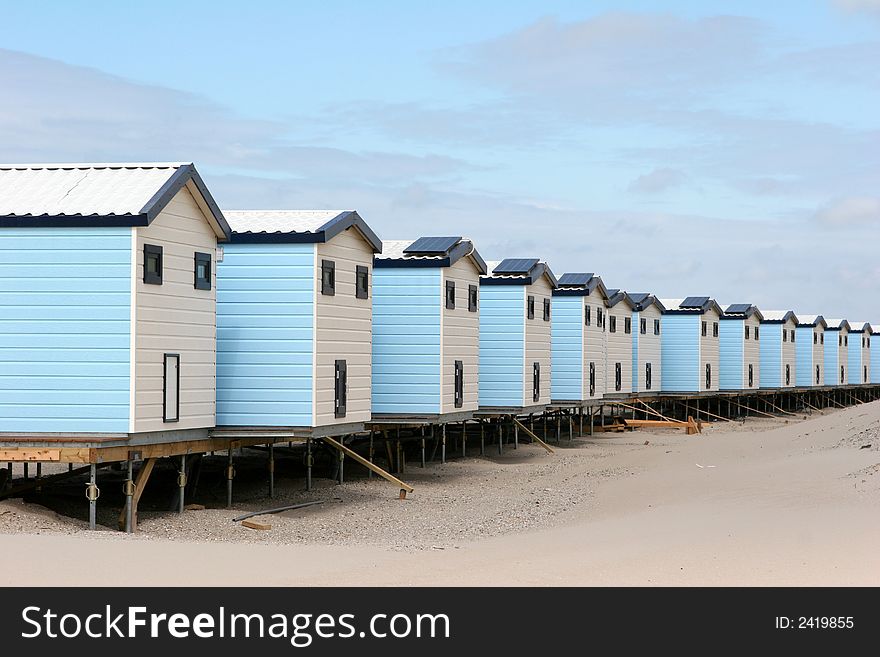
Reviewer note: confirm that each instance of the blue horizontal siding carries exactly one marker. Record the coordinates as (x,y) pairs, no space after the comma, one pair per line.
(65,304)
(832,364)
(874,370)
(265,329)
(502,345)
(804,368)
(406,340)
(854,359)
(567,339)
(771,355)
(731,351)
(680,353)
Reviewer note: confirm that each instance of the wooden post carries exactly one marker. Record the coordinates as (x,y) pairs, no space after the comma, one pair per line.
(404,488)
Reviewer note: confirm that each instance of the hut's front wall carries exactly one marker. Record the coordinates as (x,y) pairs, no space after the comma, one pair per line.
(502,345)
(65,338)
(265,322)
(568,349)
(406,340)
(344,331)
(176,318)
(789,357)
(752,354)
(709,352)
(461,337)
(619,352)
(856,366)
(538,345)
(646,350)
(595,346)
(680,352)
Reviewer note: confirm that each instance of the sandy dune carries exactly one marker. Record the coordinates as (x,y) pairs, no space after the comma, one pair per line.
(761,503)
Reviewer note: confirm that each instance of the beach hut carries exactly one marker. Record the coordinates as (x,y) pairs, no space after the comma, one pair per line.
(426,329)
(294,322)
(836,330)
(619,345)
(689,345)
(874,372)
(859,354)
(810,350)
(778,340)
(107,301)
(578,339)
(646,323)
(739,339)
(515,336)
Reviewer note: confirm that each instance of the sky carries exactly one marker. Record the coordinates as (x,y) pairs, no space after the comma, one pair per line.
(678,148)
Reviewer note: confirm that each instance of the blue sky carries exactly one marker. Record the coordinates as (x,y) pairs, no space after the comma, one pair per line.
(681,148)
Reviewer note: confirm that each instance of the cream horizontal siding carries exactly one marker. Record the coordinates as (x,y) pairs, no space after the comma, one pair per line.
(461,337)
(619,350)
(595,346)
(752,354)
(344,331)
(538,343)
(709,351)
(649,350)
(176,318)
(789,357)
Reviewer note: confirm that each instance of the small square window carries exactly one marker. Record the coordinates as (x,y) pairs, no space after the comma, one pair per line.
(643,326)
(328,278)
(656,327)
(546,310)
(530,307)
(587,318)
(627,324)
(473,298)
(362,282)
(450,295)
(202,273)
(612,324)
(152,264)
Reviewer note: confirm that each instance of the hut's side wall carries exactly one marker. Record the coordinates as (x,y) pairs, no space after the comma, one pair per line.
(731,347)
(265,322)
(804,354)
(568,349)
(680,358)
(461,337)
(65,334)
(502,344)
(771,355)
(595,346)
(406,340)
(538,345)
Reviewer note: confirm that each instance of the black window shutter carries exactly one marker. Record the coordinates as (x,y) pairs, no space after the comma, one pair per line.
(586,315)
(592,379)
(618,377)
(362,282)
(328,277)
(459,384)
(536,382)
(546,310)
(473,298)
(647,376)
(530,307)
(340,394)
(152,264)
(202,271)
(708,376)
(450,295)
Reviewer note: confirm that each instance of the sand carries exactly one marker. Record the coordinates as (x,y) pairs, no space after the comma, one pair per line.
(765,502)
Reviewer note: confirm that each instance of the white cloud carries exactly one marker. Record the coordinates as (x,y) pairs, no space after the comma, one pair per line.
(657,181)
(856,210)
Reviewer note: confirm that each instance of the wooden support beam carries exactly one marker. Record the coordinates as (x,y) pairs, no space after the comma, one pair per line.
(719,417)
(532,435)
(140,483)
(772,405)
(404,488)
(754,410)
(43,482)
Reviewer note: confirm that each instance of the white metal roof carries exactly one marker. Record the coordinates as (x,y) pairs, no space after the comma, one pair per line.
(671,304)
(81,189)
(279,221)
(393,249)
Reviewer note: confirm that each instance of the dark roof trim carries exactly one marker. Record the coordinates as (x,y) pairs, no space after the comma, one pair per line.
(619,296)
(788,315)
(183,174)
(819,320)
(533,276)
(581,290)
(645,302)
(749,311)
(342,222)
(710,304)
(459,251)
